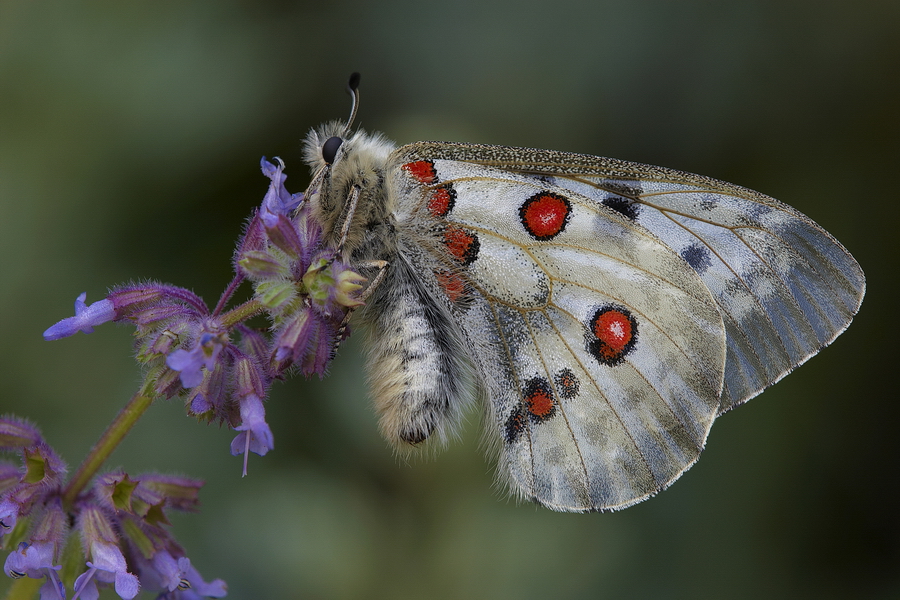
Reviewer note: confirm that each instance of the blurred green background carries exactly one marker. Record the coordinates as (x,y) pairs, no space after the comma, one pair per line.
(130,137)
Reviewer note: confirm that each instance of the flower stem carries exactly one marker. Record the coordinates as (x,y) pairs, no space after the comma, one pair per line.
(226,295)
(241,313)
(108,442)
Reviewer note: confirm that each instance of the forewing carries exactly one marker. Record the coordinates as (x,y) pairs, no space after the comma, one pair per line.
(601,350)
(784,286)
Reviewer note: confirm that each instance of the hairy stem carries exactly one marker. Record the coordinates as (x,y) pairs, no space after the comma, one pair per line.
(108,442)
(241,313)
(228,293)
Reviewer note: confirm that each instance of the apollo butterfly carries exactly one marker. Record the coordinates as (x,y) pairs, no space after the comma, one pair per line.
(606,311)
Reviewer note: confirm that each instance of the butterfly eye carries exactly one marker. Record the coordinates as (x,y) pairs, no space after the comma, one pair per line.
(330,148)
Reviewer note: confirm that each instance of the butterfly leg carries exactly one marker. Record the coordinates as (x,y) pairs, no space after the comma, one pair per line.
(352,201)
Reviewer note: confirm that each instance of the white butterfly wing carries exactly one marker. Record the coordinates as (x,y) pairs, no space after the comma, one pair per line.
(784,286)
(601,350)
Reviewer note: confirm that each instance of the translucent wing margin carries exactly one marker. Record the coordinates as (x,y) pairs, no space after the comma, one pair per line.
(784,286)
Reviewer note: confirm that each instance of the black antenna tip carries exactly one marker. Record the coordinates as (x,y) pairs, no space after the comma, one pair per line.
(354,82)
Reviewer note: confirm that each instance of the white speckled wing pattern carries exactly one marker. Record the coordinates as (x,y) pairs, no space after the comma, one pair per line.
(784,286)
(600,348)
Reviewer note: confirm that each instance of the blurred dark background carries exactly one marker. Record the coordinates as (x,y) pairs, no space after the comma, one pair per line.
(130,138)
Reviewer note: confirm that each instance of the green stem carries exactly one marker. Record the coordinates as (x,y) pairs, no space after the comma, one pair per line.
(108,442)
(241,313)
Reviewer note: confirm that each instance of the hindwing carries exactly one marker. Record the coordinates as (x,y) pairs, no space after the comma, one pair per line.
(600,349)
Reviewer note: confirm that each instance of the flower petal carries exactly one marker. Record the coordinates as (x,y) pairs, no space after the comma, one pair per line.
(30,559)
(277,201)
(255,434)
(127,585)
(188,363)
(86,317)
(107,557)
(86,587)
(214,589)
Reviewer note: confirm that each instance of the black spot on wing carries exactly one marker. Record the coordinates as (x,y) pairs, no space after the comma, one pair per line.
(567,383)
(627,208)
(515,424)
(709,202)
(697,255)
(623,197)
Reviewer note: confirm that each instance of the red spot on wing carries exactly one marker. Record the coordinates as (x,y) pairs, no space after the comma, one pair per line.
(538,399)
(537,405)
(462,244)
(613,329)
(612,334)
(422,170)
(441,201)
(453,285)
(545,215)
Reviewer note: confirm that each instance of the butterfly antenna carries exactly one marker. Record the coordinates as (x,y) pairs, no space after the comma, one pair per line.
(353,88)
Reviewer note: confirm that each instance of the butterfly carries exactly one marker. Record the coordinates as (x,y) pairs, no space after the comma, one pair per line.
(605,311)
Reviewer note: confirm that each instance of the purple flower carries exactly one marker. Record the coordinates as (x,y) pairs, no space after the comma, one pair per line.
(277,201)
(176,578)
(53,588)
(308,341)
(36,561)
(9,476)
(42,465)
(34,558)
(255,434)
(188,362)
(86,317)
(180,493)
(283,234)
(9,515)
(199,588)
(30,560)
(107,565)
(164,572)
(210,395)
(130,300)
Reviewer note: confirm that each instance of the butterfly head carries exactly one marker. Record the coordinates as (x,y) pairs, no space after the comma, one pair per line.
(325,146)
(347,191)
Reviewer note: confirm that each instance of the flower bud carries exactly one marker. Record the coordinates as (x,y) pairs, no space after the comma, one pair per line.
(258,265)
(348,283)
(276,294)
